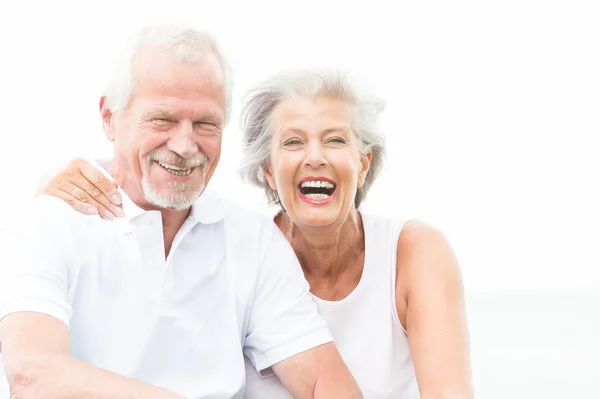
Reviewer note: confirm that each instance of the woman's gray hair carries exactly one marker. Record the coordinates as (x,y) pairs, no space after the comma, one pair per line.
(261,101)
(184,44)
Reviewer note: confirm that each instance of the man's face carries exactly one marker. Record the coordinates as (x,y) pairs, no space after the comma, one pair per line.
(168,139)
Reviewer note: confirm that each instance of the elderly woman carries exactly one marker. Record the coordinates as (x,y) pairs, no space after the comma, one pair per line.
(390,290)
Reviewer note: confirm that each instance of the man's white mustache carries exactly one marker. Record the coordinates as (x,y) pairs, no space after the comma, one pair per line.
(172,158)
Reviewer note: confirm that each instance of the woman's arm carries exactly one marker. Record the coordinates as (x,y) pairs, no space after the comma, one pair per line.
(85,188)
(430,302)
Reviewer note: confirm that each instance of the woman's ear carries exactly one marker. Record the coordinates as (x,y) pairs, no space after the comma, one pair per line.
(365,161)
(270,178)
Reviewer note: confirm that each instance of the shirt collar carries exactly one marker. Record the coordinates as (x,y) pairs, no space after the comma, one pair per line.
(132,211)
(207,209)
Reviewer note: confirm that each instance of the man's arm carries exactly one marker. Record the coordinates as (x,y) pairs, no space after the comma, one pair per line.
(285,331)
(35,281)
(317,373)
(35,351)
(430,290)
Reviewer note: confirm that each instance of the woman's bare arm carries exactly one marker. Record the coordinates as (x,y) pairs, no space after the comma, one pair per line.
(431,306)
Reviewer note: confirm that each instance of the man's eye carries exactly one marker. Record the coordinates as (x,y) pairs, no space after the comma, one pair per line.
(204,124)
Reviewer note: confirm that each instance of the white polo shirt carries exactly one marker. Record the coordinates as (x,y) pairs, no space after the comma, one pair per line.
(230,285)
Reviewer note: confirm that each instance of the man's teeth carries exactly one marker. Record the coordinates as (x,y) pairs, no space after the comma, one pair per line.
(175,170)
(317,183)
(172,167)
(317,196)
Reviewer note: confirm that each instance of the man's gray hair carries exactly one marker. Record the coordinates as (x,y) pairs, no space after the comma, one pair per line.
(261,101)
(183,43)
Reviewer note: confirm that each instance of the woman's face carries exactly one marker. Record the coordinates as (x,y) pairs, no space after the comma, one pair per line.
(316,166)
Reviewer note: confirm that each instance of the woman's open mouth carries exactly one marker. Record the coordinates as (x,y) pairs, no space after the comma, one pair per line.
(317,191)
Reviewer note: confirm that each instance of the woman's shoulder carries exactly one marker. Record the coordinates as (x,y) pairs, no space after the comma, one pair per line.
(423,251)
(409,231)
(378,223)
(415,239)
(417,233)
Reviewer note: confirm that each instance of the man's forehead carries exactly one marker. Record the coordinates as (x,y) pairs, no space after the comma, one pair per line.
(164,84)
(167,110)
(211,61)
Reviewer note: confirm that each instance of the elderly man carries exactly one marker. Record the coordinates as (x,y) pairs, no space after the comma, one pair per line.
(165,302)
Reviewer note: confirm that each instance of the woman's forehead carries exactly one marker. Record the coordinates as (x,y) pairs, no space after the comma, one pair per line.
(321,113)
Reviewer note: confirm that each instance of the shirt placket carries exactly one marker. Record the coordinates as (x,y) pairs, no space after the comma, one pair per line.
(149,228)
(169,284)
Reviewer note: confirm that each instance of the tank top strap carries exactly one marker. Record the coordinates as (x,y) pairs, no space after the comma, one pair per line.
(381,239)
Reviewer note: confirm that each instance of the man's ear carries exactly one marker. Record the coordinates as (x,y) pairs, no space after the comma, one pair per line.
(365,165)
(107,119)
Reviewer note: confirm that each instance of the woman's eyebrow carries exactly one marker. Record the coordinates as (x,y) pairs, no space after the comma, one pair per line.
(337,129)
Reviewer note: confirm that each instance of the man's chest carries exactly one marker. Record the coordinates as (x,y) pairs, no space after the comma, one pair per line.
(139,314)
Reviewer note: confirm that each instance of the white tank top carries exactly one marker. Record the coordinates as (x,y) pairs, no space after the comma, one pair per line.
(364,326)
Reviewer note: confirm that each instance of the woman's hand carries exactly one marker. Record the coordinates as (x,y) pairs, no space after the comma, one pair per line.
(85,188)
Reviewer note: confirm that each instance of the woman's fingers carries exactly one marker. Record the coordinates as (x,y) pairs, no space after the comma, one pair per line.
(80,206)
(80,200)
(73,186)
(89,193)
(99,185)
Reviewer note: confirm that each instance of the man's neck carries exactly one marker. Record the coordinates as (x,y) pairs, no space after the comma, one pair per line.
(172,220)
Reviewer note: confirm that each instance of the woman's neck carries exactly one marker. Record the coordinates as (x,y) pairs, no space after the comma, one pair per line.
(329,256)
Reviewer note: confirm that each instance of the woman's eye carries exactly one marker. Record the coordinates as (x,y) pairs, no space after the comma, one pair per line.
(337,140)
(292,142)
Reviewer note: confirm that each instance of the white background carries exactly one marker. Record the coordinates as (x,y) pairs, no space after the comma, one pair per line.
(492,118)
(492,125)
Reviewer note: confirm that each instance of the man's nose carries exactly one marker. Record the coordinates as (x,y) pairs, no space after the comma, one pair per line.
(182,143)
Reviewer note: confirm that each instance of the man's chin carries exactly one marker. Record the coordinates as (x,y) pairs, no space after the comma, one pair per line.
(172,199)
(175,204)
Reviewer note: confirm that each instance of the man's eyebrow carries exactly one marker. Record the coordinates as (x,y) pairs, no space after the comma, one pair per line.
(158,113)
(210,118)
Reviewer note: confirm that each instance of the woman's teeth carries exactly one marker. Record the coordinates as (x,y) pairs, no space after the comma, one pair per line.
(317,189)
(317,196)
(175,170)
(316,183)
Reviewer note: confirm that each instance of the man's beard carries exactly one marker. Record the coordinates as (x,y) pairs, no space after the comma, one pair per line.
(180,195)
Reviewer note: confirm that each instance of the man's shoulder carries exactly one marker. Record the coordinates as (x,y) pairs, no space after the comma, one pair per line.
(46,207)
(47,214)
(46,226)
(248,230)
(234,214)
(241,214)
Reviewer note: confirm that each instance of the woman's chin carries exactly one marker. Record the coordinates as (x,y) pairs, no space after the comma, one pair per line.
(316,216)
